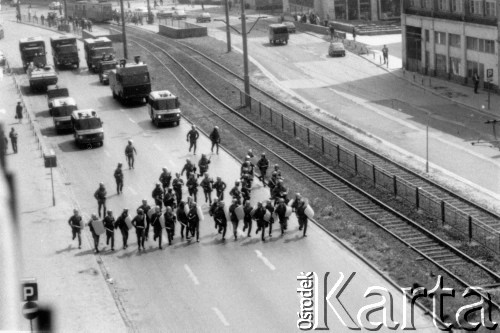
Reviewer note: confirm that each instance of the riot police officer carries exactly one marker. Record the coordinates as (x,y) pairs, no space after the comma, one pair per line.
(169,224)
(193,220)
(189,167)
(221,219)
(165,178)
(235,192)
(247,219)
(220,187)
(157,229)
(234,218)
(75,222)
(139,223)
(109,225)
(263,165)
(100,196)
(119,178)
(169,198)
(203,164)
(157,195)
(192,185)
(120,223)
(182,218)
(177,184)
(206,185)
(145,208)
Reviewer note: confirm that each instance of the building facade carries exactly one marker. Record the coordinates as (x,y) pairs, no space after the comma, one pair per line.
(451,39)
(346,10)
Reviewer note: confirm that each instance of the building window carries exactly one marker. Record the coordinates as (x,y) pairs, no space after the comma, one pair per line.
(475,67)
(443,5)
(440,65)
(439,38)
(456,6)
(490,8)
(481,45)
(454,40)
(454,66)
(427,38)
(415,4)
(476,7)
(428,4)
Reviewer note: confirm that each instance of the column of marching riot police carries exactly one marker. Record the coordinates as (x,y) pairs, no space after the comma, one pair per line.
(172,211)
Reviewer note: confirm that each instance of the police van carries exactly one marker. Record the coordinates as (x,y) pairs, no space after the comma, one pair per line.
(164,107)
(87,127)
(62,108)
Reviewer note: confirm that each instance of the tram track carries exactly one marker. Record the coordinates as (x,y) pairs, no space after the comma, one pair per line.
(443,255)
(488,221)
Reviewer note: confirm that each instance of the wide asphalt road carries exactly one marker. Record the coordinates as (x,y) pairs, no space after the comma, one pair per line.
(211,286)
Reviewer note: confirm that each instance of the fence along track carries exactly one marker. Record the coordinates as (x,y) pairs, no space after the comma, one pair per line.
(443,255)
(475,222)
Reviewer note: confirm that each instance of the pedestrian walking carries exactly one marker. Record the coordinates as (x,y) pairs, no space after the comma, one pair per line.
(182,218)
(235,192)
(100,196)
(177,184)
(331,29)
(13,139)
(475,79)
(119,178)
(19,112)
(122,225)
(263,165)
(169,224)
(192,137)
(258,214)
(193,220)
(169,198)
(145,208)
(234,218)
(139,223)
(189,167)
(220,187)
(95,236)
(192,185)
(157,229)
(203,164)
(75,222)
(221,219)
(109,225)
(129,153)
(165,178)
(215,138)
(247,219)
(207,186)
(354,33)
(385,54)
(157,195)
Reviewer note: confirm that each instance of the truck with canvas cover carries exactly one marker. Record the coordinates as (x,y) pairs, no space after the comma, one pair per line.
(65,51)
(32,50)
(87,128)
(61,112)
(41,77)
(54,92)
(164,107)
(130,81)
(95,48)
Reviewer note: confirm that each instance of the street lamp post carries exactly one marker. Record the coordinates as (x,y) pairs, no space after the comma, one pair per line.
(246,78)
(124,36)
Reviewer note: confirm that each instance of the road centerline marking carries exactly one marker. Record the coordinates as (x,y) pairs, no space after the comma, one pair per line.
(265,260)
(132,120)
(157,146)
(191,275)
(221,316)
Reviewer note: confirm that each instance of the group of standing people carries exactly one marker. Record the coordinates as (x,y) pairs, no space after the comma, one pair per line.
(170,207)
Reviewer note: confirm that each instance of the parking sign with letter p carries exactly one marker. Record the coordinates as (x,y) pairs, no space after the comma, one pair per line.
(29,289)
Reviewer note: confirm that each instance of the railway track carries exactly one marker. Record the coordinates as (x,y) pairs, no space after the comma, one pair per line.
(487,220)
(446,257)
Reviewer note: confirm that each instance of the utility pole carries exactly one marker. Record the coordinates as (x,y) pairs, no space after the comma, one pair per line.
(246,79)
(149,14)
(124,37)
(228,32)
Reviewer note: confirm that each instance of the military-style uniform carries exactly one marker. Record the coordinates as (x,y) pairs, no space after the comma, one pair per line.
(247,219)
(270,208)
(245,193)
(157,195)
(145,208)
(192,137)
(220,187)
(258,215)
(301,216)
(170,225)
(75,222)
(234,219)
(194,222)
(139,222)
(212,209)
(280,192)
(119,179)
(221,219)
(169,199)
(189,168)
(206,184)
(263,165)
(203,164)
(177,184)
(94,236)
(100,196)
(155,222)
(165,179)
(120,223)
(281,212)
(192,185)
(109,225)
(236,194)
(183,219)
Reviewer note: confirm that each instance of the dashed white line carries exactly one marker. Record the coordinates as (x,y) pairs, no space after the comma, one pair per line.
(107,153)
(157,146)
(265,260)
(132,190)
(132,120)
(191,275)
(221,316)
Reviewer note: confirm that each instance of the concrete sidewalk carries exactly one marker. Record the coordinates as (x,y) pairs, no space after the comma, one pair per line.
(74,289)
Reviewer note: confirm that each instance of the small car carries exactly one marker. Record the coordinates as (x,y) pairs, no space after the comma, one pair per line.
(290,26)
(336,49)
(164,13)
(179,14)
(141,11)
(54,5)
(203,17)
(2,59)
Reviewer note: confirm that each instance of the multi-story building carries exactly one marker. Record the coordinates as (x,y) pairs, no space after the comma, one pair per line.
(370,10)
(451,38)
